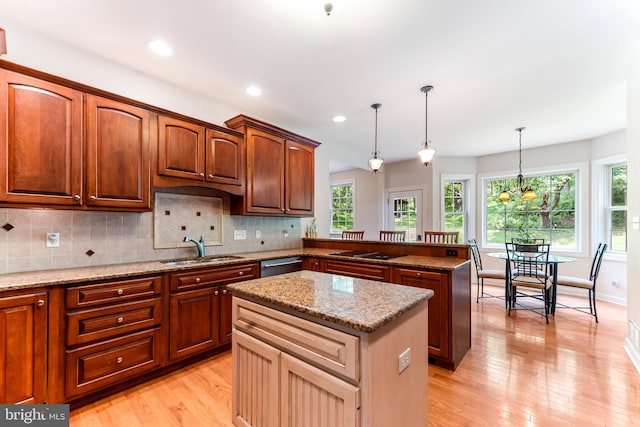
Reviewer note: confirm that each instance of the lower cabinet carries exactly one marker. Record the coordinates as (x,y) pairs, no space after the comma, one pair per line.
(23,348)
(286,391)
(200,308)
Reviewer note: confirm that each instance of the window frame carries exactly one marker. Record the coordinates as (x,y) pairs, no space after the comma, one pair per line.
(353,202)
(468,198)
(600,203)
(582,200)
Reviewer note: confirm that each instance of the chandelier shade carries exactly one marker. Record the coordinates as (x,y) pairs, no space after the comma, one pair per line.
(427,152)
(375,163)
(527,193)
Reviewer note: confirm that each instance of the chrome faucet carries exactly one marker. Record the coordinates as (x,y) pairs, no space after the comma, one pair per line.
(199,244)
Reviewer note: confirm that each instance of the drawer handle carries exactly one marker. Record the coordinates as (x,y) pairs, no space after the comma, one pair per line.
(210,176)
(120,319)
(119,360)
(120,291)
(240,273)
(40,302)
(197,280)
(92,198)
(77,197)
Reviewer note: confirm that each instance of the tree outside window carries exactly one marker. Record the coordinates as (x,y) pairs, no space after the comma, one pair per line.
(552,216)
(341,207)
(454,208)
(616,209)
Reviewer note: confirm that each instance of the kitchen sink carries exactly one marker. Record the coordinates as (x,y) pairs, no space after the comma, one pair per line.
(198,261)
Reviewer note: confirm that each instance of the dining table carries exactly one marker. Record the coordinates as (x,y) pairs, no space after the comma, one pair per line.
(553,260)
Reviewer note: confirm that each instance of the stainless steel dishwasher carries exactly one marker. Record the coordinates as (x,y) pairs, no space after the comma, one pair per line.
(277,266)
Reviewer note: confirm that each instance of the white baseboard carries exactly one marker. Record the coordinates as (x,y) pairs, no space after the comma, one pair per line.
(633,353)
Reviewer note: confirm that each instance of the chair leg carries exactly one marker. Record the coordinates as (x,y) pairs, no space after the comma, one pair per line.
(592,296)
(478,290)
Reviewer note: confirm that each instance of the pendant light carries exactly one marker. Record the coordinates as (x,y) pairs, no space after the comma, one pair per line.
(527,192)
(427,152)
(375,163)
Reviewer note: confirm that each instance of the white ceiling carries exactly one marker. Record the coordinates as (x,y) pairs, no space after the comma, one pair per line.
(557,67)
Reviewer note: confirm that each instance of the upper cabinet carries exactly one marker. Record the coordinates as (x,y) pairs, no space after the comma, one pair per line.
(187,150)
(46,127)
(117,149)
(40,141)
(279,170)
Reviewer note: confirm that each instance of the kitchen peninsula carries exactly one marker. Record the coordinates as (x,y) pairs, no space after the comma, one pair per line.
(315,347)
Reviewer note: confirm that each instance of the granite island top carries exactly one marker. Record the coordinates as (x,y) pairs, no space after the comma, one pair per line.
(65,276)
(360,304)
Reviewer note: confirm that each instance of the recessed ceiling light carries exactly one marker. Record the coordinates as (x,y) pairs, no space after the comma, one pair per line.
(254,91)
(339,119)
(160,47)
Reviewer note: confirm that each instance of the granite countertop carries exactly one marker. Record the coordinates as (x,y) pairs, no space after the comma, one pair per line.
(360,304)
(40,278)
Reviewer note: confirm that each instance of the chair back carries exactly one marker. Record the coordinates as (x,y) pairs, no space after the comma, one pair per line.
(476,254)
(393,236)
(441,236)
(528,263)
(353,235)
(597,261)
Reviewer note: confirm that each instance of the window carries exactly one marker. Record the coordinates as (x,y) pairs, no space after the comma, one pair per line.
(454,207)
(552,216)
(341,207)
(403,212)
(616,208)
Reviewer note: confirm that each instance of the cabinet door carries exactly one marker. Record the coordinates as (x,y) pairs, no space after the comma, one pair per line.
(226,322)
(309,396)
(23,349)
(40,141)
(181,150)
(193,322)
(299,161)
(312,264)
(265,173)
(118,166)
(255,397)
(439,318)
(223,158)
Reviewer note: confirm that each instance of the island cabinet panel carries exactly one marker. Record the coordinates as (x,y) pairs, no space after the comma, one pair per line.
(113,333)
(118,157)
(279,170)
(40,141)
(360,269)
(23,348)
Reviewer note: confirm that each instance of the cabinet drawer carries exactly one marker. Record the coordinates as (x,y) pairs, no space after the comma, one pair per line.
(101,293)
(360,269)
(102,323)
(320,345)
(213,276)
(95,366)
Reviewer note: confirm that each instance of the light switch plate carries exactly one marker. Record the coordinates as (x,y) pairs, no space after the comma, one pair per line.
(53,240)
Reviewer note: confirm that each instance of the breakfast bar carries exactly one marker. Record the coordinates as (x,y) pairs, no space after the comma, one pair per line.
(335,350)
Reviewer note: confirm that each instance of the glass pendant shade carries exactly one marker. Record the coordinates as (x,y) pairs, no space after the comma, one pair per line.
(427,153)
(525,189)
(529,194)
(375,163)
(504,196)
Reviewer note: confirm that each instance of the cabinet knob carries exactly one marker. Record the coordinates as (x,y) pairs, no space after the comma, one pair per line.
(92,198)
(210,176)
(120,291)
(240,273)
(120,319)
(119,360)
(77,197)
(40,303)
(201,174)
(197,280)
(283,210)
(418,274)
(224,291)
(216,292)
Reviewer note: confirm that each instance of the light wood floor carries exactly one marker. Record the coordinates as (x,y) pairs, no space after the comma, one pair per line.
(519,372)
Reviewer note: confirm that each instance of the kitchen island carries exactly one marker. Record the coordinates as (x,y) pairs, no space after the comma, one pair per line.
(312,348)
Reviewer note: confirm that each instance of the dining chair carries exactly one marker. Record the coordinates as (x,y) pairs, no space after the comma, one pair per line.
(529,275)
(588,284)
(482,273)
(441,236)
(353,235)
(393,236)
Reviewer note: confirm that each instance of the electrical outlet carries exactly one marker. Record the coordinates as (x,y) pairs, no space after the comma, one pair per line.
(239,234)
(451,252)
(53,240)
(404,360)
(258,234)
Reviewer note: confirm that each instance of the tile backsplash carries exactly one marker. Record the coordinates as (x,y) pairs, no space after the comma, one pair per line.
(89,238)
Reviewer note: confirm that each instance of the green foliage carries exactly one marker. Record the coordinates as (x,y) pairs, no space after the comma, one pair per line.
(341,208)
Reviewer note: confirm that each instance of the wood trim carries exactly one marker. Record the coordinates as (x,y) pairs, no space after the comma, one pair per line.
(241,120)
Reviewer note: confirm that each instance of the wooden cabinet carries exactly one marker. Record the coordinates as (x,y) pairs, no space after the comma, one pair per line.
(117,142)
(23,344)
(114,332)
(41,138)
(188,150)
(312,264)
(279,170)
(362,269)
(200,316)
(449,311)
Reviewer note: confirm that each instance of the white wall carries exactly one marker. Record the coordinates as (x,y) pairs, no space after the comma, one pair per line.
(368,196)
